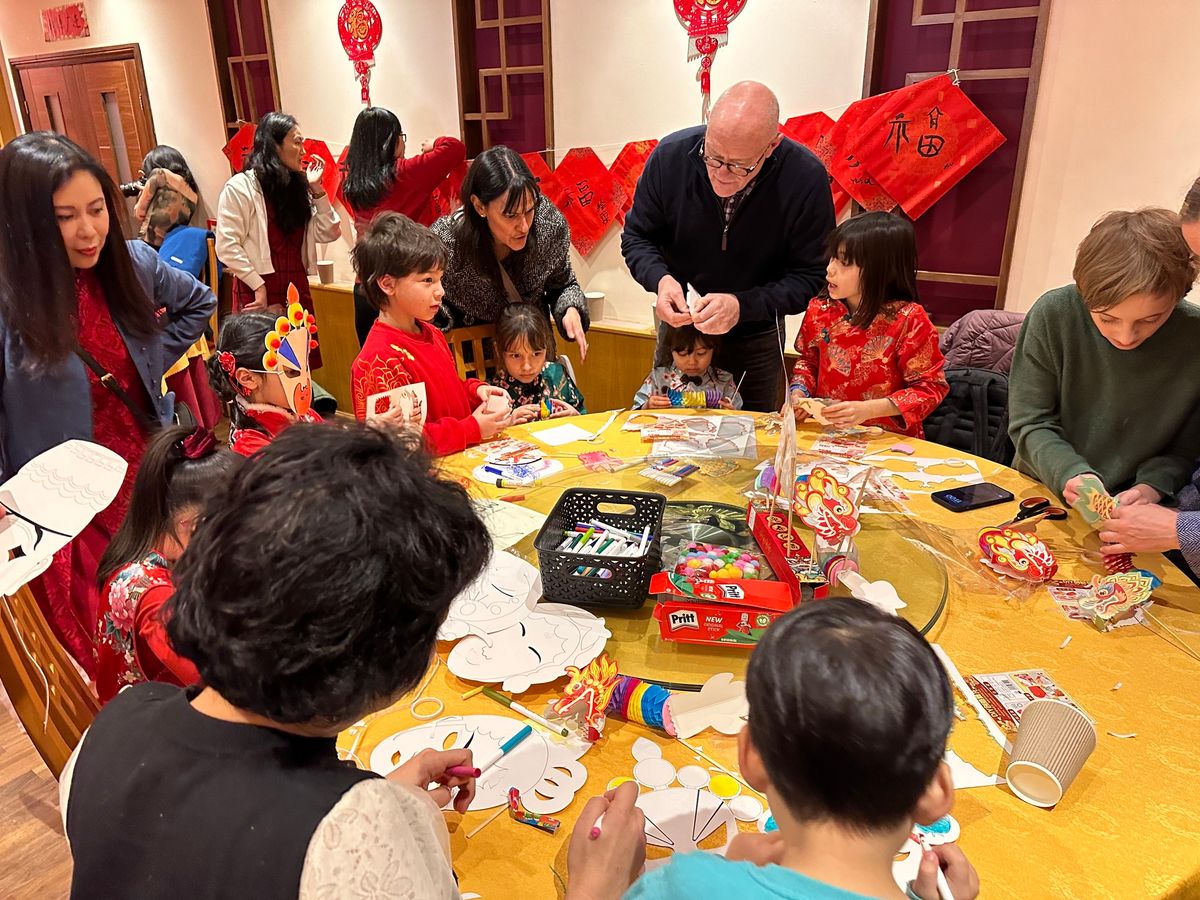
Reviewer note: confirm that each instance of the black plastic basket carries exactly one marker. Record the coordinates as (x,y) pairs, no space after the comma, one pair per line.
(630,582)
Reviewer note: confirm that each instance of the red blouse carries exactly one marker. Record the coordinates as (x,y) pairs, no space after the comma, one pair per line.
(264,423)
(131,636)
(896,357)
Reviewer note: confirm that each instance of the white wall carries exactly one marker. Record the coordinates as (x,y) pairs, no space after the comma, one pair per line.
(177,57)
(621,74)
(1116,128)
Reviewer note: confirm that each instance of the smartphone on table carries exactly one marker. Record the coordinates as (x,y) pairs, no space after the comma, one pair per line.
(973,496)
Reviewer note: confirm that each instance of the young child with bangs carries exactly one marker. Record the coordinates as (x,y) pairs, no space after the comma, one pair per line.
(523,344)
(400,265)
(866,342)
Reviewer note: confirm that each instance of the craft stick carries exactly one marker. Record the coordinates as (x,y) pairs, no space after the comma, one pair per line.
(525,711)
(732,775)
(490,819)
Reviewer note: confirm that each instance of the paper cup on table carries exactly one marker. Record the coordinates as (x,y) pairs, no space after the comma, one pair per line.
(595,301)
(325,270)
(1054,740)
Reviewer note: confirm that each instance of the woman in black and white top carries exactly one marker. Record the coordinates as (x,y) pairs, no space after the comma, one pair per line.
(509,244)
(299,627)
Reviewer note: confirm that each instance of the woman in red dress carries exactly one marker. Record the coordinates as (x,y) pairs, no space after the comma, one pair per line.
(180,469)
(270,218)
(82,351)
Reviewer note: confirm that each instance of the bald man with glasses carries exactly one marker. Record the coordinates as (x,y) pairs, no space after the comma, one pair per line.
(741,214)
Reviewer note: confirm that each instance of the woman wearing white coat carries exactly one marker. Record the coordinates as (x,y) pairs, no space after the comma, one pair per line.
(270,218)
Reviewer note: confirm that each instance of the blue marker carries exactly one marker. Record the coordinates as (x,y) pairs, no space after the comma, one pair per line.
(506,747)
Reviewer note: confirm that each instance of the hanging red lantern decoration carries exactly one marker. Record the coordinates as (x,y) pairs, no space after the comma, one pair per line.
(360,28)
(707,24)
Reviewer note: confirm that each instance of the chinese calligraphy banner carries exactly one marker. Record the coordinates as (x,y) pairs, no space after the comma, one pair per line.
(920,142)
(627,169)
(813,131)
(591,197)
(845,137)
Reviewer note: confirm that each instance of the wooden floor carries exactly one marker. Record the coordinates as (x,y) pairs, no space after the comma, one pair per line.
(35,860)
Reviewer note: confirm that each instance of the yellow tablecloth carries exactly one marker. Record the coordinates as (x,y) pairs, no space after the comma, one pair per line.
(1128,826)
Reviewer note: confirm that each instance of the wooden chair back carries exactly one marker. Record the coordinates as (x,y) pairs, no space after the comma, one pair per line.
(474,351)
(53,701)
(214,282)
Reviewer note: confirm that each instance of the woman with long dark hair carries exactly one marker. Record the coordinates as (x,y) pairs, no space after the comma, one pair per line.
(380,178)
(83,344)
(181,468)
(169,194)
(509,244)
(270,218)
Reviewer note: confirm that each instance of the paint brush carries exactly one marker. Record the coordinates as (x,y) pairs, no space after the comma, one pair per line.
(525,711)
(506,748)
(943,885)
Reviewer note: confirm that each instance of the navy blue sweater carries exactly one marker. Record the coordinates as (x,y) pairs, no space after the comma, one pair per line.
(773,255)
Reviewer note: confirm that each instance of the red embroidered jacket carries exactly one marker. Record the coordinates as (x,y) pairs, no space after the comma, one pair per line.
(896,356)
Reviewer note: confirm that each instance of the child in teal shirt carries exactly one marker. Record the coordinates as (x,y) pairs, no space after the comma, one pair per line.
(849,714)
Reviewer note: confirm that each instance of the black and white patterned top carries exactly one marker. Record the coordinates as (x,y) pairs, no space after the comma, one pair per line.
(541,273)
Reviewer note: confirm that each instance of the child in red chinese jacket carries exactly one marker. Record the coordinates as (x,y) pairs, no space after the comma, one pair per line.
(399,264)
(266,388)
(866,342)
(180,468)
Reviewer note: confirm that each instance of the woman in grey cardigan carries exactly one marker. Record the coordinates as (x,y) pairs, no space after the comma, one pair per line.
(89,323)
(508,244)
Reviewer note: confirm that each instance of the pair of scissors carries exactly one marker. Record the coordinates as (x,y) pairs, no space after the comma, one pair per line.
(1033,510)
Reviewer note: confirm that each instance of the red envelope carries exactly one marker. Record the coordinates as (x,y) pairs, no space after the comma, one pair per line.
(922,140)
(591,197)
(237,148)
(813,131)
(331,178)
(627,169)
(844,138)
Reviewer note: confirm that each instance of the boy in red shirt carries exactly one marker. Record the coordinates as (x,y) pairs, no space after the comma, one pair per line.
(400,265)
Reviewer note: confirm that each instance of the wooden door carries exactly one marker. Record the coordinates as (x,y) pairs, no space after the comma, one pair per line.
(111,98)
(97,98)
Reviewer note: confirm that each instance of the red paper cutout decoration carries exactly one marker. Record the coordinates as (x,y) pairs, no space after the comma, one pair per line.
(921,140)
(360,28)
(237,148)
(627,169)
(446,195)
(813,131)
(331,178)
(548,182)
(591,197)
(845,136)
(707,24)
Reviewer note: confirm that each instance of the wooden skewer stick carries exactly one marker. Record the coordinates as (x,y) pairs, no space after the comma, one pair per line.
(490,819)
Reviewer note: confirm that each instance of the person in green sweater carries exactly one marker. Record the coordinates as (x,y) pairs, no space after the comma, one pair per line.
(1106,374)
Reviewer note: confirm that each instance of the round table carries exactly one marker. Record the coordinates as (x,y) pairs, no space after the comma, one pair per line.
(1125,827)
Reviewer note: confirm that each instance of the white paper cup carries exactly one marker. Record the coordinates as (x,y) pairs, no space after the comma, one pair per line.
(325,270)
(595,301)
(1054,740)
